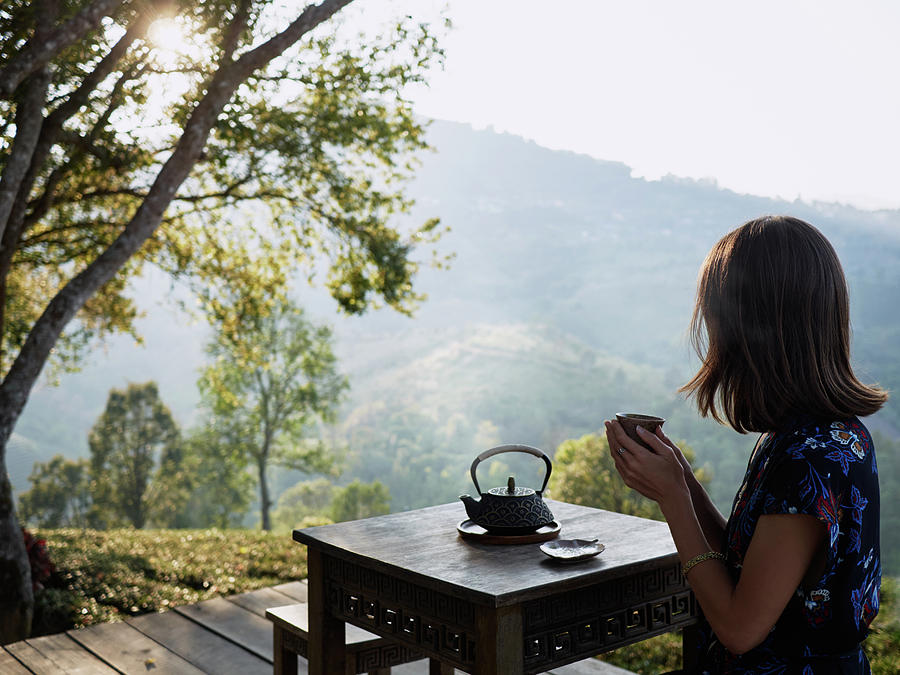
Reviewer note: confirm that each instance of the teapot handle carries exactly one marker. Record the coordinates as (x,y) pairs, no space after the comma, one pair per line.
(514,447)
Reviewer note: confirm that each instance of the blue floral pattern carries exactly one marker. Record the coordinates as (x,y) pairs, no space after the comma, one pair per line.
(826,470)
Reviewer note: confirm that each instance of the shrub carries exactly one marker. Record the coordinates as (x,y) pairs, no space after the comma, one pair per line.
(38,559)
(105,576)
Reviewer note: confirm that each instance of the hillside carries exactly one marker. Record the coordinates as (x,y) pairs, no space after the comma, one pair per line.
(568,299)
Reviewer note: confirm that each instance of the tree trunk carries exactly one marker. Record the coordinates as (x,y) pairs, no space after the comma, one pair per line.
(264,501)
(16,596)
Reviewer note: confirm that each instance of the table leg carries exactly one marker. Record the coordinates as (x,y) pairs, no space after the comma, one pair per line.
(285,661)
(498,649)
(327,650)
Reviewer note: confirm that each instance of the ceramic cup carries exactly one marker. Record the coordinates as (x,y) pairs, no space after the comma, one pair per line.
(631,421)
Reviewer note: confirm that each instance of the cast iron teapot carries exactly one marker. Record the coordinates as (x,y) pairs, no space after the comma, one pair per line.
(509,509)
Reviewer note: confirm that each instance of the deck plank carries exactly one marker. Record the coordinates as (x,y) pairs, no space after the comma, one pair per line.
(128,650)
(69,656)
(260,600)
(298,590)
(234,623)
(32,659)
(209,652)
(9,664)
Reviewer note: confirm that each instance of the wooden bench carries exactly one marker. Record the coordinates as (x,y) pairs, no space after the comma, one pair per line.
(366,652)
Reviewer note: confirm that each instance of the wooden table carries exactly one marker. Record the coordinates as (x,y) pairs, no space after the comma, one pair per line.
(489,609)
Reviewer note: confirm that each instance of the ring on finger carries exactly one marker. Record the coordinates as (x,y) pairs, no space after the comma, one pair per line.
(622,450)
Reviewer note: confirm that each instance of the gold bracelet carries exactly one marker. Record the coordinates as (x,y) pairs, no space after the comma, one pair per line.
(696,560)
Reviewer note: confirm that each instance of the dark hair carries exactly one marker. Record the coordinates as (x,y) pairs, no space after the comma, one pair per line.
(772,327)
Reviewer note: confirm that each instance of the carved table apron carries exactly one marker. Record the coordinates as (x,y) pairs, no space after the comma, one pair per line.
(489,609)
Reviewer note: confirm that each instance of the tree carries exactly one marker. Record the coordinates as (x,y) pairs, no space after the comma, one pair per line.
(360,500)
(115,154)
(59,494)
(221,488)
(584,473)
(888,454)
(270,382)
(304,501)
(135,458)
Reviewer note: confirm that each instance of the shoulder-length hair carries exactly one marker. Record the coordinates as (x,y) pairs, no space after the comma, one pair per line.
(772,328)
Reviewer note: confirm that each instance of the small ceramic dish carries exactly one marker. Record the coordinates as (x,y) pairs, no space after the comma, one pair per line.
(572,550)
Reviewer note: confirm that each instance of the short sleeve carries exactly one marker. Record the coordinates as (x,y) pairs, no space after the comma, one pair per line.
(800,484)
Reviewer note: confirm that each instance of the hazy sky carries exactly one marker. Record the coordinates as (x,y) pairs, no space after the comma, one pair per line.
(780,98)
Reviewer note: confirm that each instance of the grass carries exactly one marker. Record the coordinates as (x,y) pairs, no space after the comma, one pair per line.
(106,576)
(109,575)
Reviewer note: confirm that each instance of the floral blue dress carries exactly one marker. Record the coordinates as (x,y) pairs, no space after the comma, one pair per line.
(826,470)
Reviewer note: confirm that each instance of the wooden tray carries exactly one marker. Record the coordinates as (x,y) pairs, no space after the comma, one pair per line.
(469,530)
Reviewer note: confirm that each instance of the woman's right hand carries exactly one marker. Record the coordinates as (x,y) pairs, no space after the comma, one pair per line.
(686,465)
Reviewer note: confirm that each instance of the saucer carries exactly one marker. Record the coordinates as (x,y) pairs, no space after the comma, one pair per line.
(469,530)
(572,550)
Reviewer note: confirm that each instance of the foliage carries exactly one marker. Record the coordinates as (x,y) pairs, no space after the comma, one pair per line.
(268,385)
(883,643)
(318,502)
(38,559)
(887,454)
(584,473)
(109,575)
(201,484)
(59,494)
(221,486)
(660,654)
(136,460)
(303,501)
(360,500)
(309,155)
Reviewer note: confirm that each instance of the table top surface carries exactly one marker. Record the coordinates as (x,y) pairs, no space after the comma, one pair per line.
(423,546)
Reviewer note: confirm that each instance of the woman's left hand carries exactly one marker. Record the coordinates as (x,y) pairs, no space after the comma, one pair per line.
(658,475)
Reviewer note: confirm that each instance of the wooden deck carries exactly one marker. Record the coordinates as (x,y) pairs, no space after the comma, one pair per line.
(227,636)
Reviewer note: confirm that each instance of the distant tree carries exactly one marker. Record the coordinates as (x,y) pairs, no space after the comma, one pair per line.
(59,494)
(270,383)
(221,485)
(230,161)
(360,500)
(135,465)
(888,455)
(304,501)
(584,473)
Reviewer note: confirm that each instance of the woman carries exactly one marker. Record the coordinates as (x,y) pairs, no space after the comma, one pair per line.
(789,584)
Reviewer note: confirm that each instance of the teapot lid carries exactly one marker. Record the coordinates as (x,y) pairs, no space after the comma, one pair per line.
(511,490)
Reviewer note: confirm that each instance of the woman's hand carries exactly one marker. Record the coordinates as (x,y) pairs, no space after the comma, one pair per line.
(686,465)
(658,475)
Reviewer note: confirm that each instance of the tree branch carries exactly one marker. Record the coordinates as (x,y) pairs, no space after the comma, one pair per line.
(12,228)
(229,192)
(79,97)
(37,53)
(234,30)
(311,17)
(29,118)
